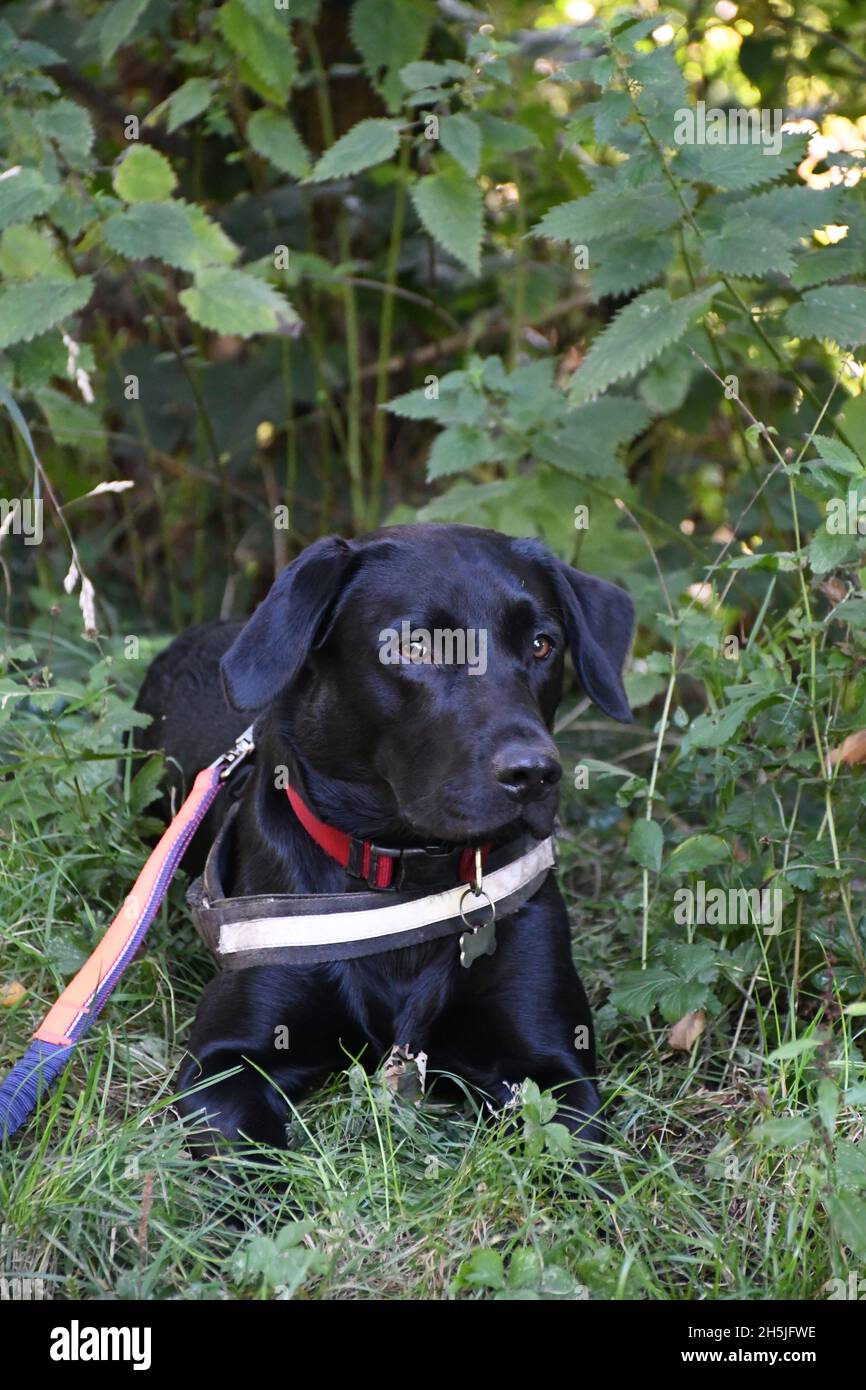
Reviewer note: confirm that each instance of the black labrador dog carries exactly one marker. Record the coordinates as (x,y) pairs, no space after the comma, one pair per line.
(407,753)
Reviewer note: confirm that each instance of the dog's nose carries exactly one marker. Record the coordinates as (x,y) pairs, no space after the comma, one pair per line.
(525,771)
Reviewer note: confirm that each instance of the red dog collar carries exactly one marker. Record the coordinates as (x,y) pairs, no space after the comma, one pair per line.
(377,865)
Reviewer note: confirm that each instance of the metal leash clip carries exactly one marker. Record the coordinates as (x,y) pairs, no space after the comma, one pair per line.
(243,745)
(478,940)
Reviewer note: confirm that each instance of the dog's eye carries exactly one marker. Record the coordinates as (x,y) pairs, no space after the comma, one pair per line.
(415,651)
(541,646)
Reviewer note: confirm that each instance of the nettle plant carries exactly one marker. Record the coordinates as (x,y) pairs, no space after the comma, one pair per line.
(740,289)
(133,216)
(721,251)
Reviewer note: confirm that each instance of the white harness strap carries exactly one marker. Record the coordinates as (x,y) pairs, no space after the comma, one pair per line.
(338,928)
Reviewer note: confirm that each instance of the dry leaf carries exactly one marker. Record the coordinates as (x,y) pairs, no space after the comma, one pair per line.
(405,1072)
(11,993)
(853,750)
(687,1030)
(834,590)
(571,360)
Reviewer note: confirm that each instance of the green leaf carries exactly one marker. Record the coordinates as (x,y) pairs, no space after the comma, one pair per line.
(623,264)
(718,728)
(417,405)
(159,231)
(190,99)
(37,363)
(371,141)
(117,23)
(71,422)
(457,449)
(456,404)
(646,843)
(788,1132)
(798,1047)
(827,550)
(637,991)
(678,985)
(268,60)
(666,382)
(27,251)
(829,264)
(231,301)
(68,126)
(524,1270)
(450,208)
(23,54)
(737,166)
(274,137)
(639,333)
(828,1103)
(26,310)
(793,208)
(749,247)
(847,1212)
(778,561)
(640,688)
(24,194)
(483,1270)
(586,444)
(609,212)
(144,176)
(417,76)
(145,785)
(213,246)
(697,852)
(836,454)
(610,118)
(504,137)
(834,312)
(389,35)
(461,138)
(74,211)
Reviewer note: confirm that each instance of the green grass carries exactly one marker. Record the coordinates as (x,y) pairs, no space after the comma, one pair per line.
(100,1196)
(379,1197)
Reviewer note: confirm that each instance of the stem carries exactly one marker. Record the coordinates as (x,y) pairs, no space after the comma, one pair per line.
(386,325)
(291,429)
(350,306)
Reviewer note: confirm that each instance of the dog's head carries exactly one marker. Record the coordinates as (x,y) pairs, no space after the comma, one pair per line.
(427,662)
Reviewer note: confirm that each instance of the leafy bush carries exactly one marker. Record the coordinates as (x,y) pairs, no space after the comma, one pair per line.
(272,272)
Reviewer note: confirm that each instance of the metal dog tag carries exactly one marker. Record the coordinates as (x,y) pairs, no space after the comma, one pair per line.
(480,940)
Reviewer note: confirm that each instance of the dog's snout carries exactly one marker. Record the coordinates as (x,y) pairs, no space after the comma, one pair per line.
(526,771)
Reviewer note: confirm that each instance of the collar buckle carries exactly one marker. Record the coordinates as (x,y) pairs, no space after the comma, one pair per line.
(365,862)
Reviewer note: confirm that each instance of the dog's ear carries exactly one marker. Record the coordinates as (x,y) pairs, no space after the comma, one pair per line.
(599,624)
(270,650)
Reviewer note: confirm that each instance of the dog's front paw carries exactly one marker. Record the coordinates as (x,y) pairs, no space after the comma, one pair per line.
(238,1110)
